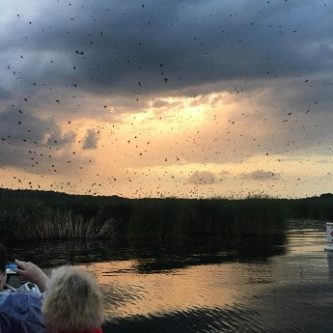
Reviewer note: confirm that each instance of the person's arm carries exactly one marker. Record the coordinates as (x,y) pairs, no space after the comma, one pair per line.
(32,273)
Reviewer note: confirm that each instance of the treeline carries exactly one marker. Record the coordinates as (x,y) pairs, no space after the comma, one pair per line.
(26,215)
(317,208)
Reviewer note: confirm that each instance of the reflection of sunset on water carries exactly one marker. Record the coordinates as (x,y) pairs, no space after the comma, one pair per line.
(308,241)
(208,289)
(209,286)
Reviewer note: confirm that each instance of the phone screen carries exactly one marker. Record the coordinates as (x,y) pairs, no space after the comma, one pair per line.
(10,268)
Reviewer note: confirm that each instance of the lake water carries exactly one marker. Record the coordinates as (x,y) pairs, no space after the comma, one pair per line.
(271,285)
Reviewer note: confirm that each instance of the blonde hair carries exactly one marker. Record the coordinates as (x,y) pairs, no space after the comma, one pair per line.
(73,301)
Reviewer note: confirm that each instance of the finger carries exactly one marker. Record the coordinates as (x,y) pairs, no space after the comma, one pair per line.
(19,271)
(20,263)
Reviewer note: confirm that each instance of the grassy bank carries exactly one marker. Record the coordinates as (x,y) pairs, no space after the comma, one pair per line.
(49,215)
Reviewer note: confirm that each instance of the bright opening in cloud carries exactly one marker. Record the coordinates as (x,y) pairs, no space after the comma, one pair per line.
(209,100)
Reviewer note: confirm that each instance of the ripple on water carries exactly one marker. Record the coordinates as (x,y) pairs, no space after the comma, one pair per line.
(221,290)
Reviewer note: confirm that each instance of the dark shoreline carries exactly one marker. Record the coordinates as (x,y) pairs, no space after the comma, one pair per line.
(38,215)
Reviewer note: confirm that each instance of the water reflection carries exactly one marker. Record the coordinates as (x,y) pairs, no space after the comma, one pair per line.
(129,293)
(330,265)
(192,320)
(248,285)
(151,257)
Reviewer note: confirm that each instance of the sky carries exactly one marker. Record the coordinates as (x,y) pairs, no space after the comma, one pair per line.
(177,98)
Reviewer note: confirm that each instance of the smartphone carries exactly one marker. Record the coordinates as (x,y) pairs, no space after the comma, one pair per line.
(10,268)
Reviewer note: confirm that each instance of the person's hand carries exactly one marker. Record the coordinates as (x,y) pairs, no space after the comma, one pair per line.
(32,273)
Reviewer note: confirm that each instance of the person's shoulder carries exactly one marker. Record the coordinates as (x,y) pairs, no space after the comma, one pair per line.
(8,297)
(17,300)
(21,305)
(3,296)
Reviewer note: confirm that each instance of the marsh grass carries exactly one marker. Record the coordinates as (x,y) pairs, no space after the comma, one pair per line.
(60,225)
(50,215)
(171,219)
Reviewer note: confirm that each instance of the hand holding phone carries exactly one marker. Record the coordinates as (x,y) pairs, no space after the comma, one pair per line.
(30,272)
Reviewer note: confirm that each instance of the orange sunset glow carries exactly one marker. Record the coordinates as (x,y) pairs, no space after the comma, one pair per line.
(219,101)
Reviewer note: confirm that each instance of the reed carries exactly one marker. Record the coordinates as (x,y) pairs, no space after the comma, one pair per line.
(50,215)
(61,225)
(179,219)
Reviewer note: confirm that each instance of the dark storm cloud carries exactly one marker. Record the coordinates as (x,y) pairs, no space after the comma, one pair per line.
(306,95)
(163,45)
(54,51)
(17,126)
(29,141)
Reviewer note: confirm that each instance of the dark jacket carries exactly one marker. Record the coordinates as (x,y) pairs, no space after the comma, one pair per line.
(20,313)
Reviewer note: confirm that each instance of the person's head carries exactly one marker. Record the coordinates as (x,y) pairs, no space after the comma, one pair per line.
(73,301)
(3,262)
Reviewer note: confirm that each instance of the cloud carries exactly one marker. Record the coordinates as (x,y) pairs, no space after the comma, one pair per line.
(202,178)
(262,175)
(28,141)
(201,81)
(57,138)
(91,139)
(163,46)
(18,126)
(4,94)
